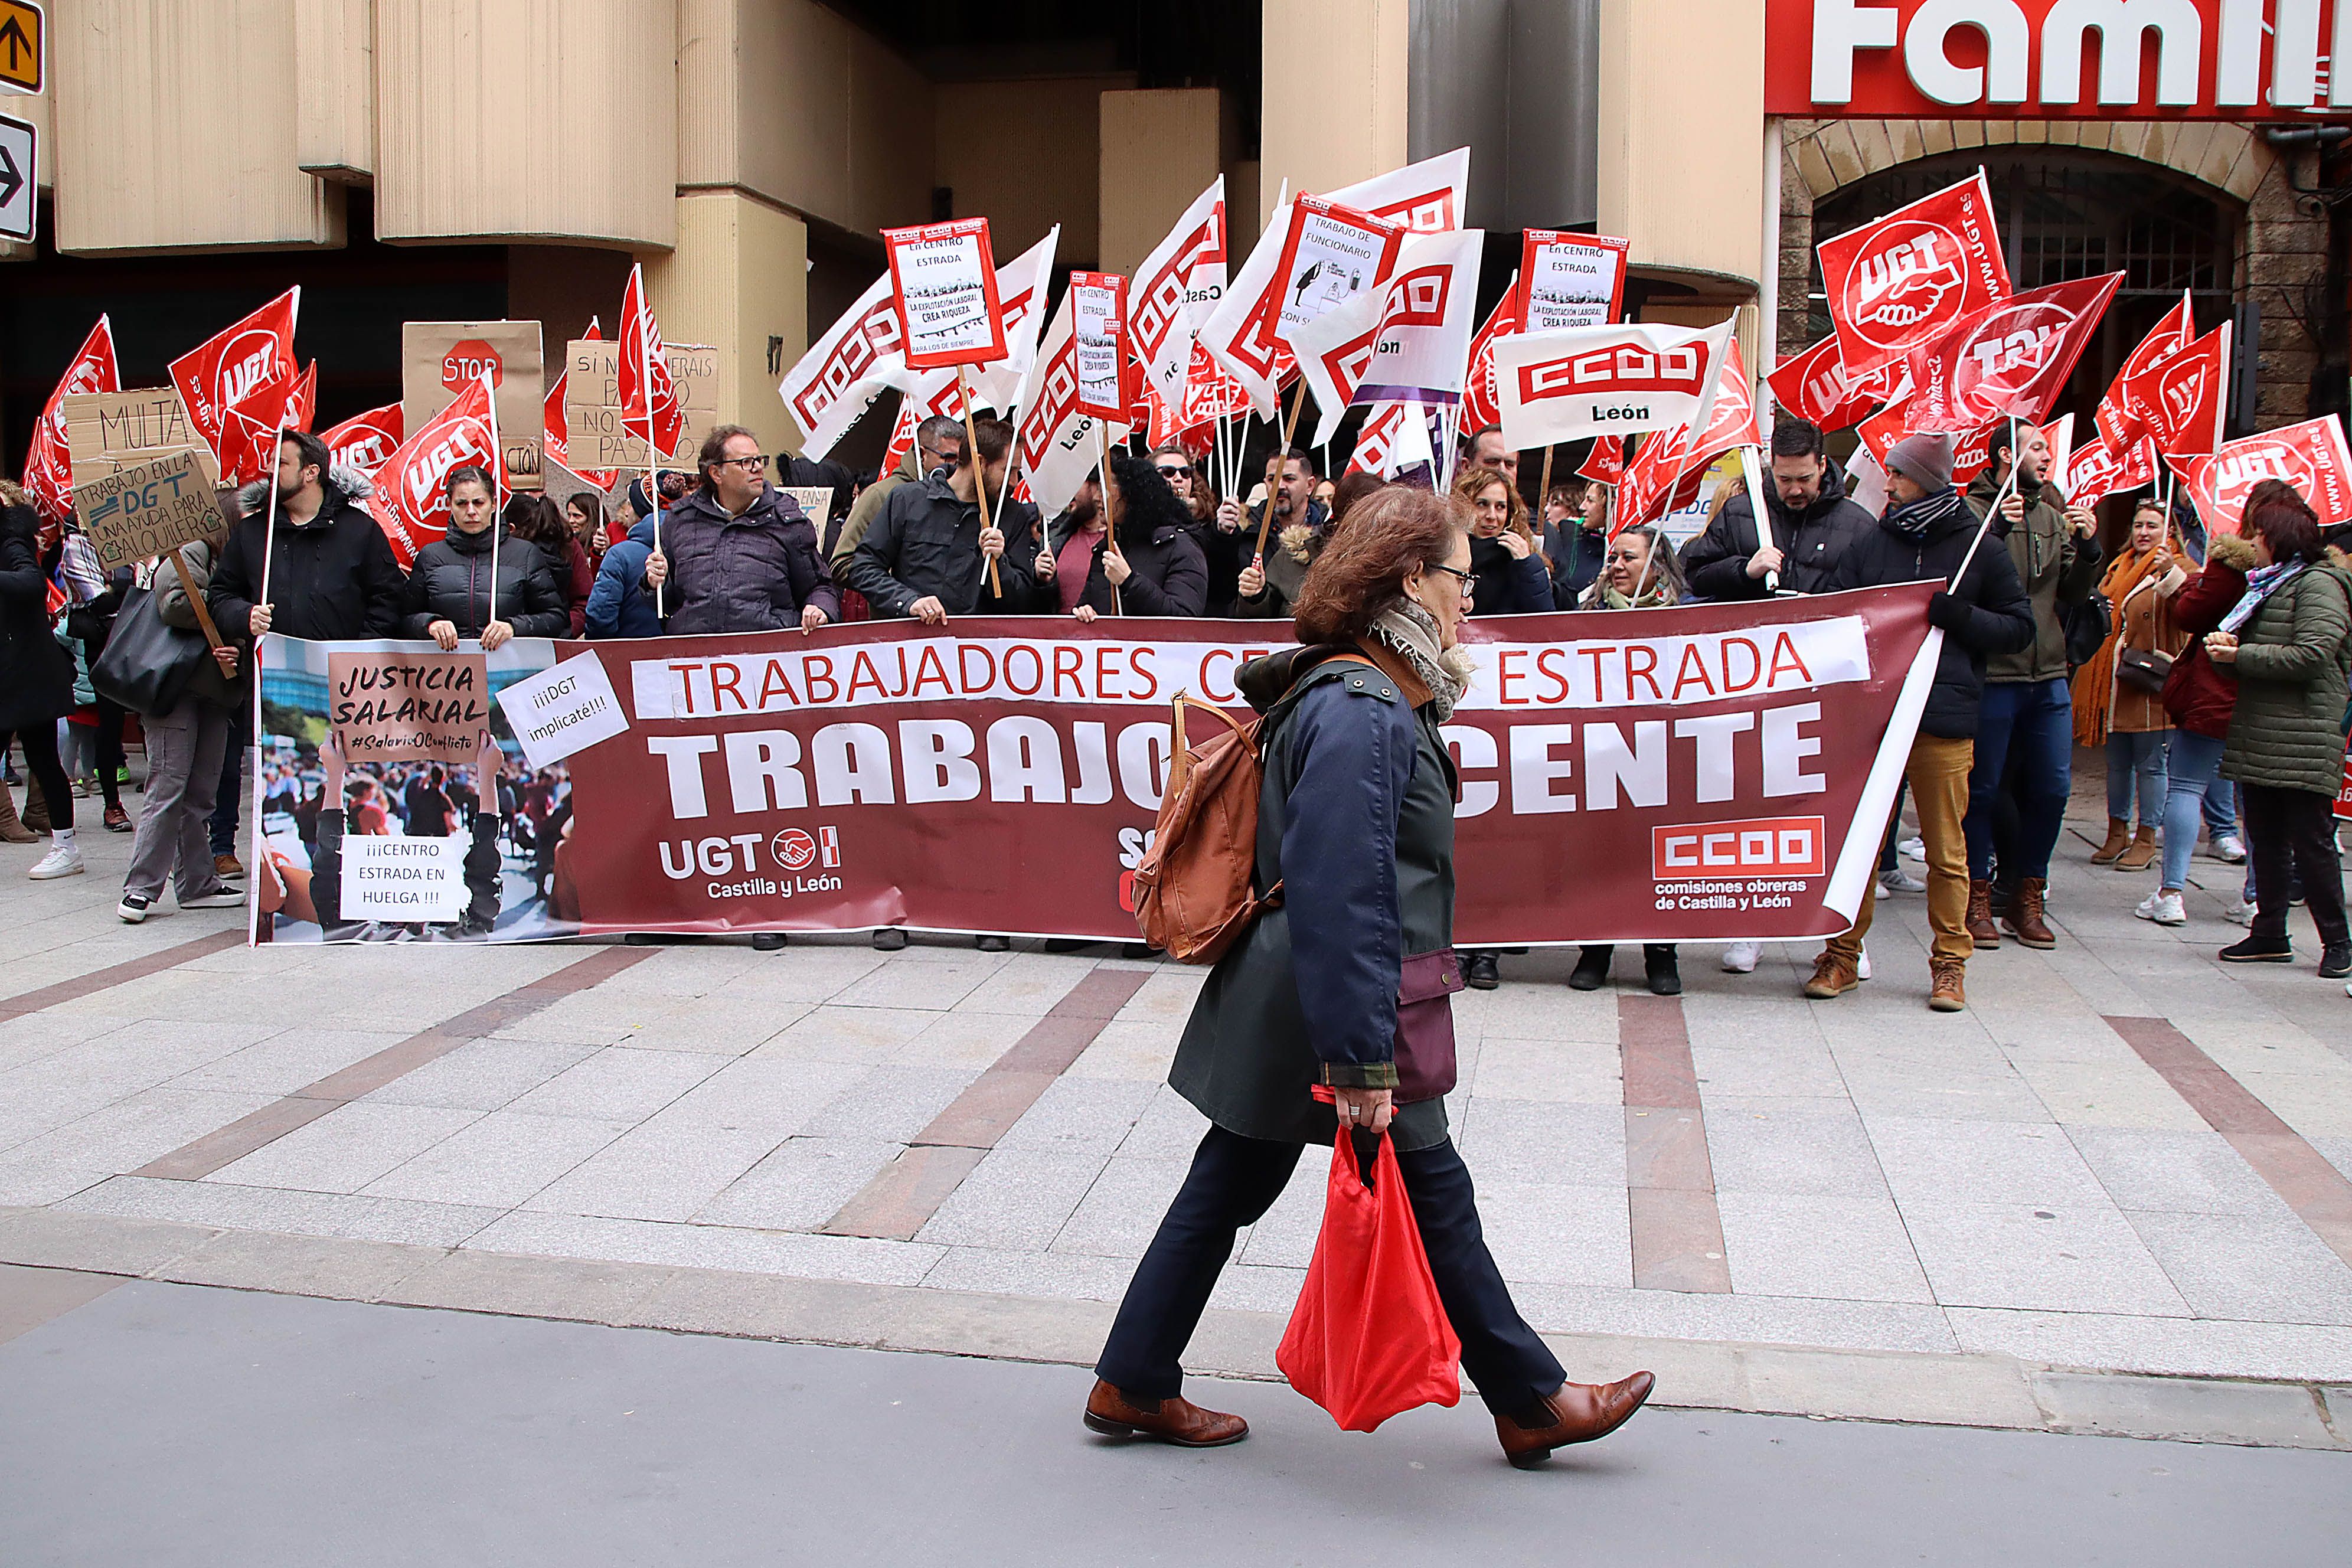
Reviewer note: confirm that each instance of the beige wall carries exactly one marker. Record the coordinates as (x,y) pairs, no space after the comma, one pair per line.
(154,151)
(738,277)
(1334,103)
(334,88)
(1682,126)
(1026,155)
(1159,150)
(582,148)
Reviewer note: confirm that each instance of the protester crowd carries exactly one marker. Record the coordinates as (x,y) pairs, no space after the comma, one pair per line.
(2211,674)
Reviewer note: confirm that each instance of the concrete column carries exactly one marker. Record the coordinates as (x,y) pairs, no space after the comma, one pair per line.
(738,280)
(1159,150)
(1682,121)
(1335,94)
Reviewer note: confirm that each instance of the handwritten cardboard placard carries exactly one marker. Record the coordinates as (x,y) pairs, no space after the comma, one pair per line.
(592,402)
(440,359)
(402,705)
(145,509)
(106,430)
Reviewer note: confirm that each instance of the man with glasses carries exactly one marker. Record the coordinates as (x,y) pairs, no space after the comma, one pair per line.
(738,554)
(939,446)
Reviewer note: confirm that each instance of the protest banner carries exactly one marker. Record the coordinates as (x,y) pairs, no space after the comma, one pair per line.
(943,286)
(49,460)
(2010,359)
(1700,773)
(2311,456)
(145,509)
(1576,381)
(407,701)
(1904,281)
(236,365)
(1569,280)
(2176,332)
(106,430)
(597,439)
(568,708)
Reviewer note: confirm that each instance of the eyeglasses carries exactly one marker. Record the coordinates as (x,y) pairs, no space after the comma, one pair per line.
(1469,579)
(1171,471)
(757,463)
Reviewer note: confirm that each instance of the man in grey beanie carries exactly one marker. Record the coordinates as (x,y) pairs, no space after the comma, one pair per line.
(1925,534)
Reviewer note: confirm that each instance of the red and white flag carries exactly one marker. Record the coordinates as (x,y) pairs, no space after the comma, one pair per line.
(1605,464)
(1023,285)
(365,440)
(1972,453)
(408,501)
(1670,458)
(2176,332)
(48,461)
(1393,442)
(1658,480)
(1178,283)
(938,393)
(1408,342)
(833,384)
(650,409)
(2010,359)
(1481,403)
(1607,380)
(2181,401)
(2098,470)
(1424,199)
(1879,433)
(237,363)
(1814,385)
(1209,392)
(1904,281)
(1057,442)
(2311,458)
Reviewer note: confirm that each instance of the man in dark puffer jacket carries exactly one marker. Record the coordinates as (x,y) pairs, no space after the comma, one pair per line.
(1812,523)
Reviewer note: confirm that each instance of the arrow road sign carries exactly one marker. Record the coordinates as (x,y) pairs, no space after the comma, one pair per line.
(23,37)
(20,175)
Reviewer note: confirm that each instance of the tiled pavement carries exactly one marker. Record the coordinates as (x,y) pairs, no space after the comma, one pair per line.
(2019,1180)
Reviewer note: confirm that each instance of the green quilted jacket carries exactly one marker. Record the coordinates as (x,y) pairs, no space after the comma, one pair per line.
(2293,664)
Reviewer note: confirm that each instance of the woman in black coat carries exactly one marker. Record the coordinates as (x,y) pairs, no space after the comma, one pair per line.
(1157,569)
(449,587)
(1513,579)
(36,677)
(1355,819)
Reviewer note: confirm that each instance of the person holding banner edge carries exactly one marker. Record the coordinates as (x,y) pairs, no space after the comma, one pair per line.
(1983,612)
(332,574)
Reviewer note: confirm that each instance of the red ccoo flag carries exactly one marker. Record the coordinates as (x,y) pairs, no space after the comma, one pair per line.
(234,367)
(408,503)
(2166,338)
(2009,359)
(1904,281)
(649,406)
(48,463)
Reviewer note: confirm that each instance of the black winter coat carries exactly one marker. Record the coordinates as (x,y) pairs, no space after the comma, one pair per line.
(755,573)
(1169,578)
(926,544)
(1812,541)
(1998,618)
(1577,555)
(1356,819)
(1508,586)
(333,577)
(451,582)
(37,675)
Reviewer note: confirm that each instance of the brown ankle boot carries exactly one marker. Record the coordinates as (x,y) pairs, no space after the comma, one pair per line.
(1834,975)
(1981,927)
(2118,840)
(11,831)
(2142,853)
(36,809)
(1946,993)
(2025,922)
(1177,1421)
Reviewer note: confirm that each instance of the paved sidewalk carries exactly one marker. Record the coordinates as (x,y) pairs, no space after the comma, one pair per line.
(2126,1155)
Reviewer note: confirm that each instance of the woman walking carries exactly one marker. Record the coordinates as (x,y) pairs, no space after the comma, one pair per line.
(1357,822)
(36,678)
(2198,699)
(2288,645)
(2118,691)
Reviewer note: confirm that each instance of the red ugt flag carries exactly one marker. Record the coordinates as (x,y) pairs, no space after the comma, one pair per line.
(2010,359)
(2311,458)
(1904,281)
(48,464)
(1481,405)
(2166,338)
(408,503)
(1814,385)
(649,406)
(2180,402)
(365,440)
(235,366)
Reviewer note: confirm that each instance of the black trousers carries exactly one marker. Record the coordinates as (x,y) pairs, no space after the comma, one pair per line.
(1233,1180)
(2296,828)
(40,743)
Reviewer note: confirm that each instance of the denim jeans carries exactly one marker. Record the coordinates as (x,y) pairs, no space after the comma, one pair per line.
(2220,807)
(2189,764)
(2135,759)
(2035,720)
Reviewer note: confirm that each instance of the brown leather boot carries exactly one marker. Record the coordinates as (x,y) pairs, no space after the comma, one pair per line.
(11,831)
(36,809)
(1946,993)
(1981,927)
(1834,975)
(2118,840)
(2142,853)
(1578,1412)
(2024,918)
(1177,1421)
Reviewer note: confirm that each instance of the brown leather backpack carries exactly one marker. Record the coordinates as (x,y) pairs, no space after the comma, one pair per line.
(1192,892)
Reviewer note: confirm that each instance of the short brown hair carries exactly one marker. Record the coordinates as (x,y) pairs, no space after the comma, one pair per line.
(1395,531)
(714,449)
(2283,520)
(994,439)
(1354,486)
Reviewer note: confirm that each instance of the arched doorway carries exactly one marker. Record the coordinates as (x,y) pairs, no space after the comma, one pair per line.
(2071,213)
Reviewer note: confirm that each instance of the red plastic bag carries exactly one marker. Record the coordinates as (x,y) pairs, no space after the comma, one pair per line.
(1369,1338)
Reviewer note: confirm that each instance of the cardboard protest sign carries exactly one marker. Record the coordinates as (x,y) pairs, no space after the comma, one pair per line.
(816,501)
(943,286)
(49,460)
(1569,280)
(1325,254)
(567,707)
(395,704)
(146,509)
(1904,281)
(1606,381)
(596,426)
(415,879)
(2311,456)
(2010,359)
(105,430)
(1098,324)
(439,360)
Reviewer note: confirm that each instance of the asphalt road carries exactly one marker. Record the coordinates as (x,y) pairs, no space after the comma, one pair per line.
(163,1424)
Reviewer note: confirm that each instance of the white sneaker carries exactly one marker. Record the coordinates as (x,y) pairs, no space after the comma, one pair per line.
(1862,962)
(1898,880)
(2240,912)
(1912,848)
(2228,848)
(133,908)
(64,860)
(1739,957)
(2163,907)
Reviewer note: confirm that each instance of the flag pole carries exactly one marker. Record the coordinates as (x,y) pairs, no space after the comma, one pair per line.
(1282,453)
(497,467)
(1748,470)
(2000,497)
(1111,513)
(979,475)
